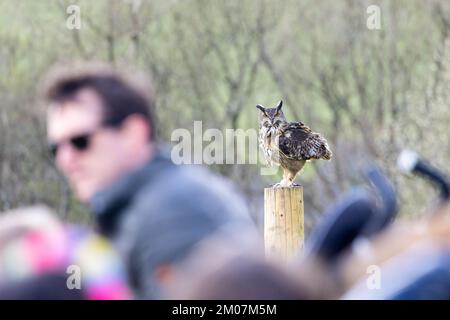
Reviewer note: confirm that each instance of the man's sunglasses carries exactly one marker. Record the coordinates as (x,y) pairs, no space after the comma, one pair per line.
(80,143)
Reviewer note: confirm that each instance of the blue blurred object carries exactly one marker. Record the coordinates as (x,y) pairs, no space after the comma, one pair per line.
(420,273)
(342,224)
(359,214)
(387,208)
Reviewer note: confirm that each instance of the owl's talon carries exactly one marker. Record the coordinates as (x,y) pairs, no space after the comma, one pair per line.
(279,185)
(276,185)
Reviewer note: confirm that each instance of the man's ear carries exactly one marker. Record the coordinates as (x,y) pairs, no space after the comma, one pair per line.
(138,128)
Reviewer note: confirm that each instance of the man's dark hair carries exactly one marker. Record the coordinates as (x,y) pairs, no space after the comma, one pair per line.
(120,96)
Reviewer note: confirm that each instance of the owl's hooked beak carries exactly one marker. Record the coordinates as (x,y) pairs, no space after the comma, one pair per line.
(270,131)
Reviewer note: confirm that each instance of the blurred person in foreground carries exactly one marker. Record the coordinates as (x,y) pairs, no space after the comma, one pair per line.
(215,271)
(101,130)
(42,258)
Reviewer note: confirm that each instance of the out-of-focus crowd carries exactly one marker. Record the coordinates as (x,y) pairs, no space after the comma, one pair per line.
(164,231)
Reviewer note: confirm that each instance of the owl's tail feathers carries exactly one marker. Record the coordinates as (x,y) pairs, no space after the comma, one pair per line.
(326,152)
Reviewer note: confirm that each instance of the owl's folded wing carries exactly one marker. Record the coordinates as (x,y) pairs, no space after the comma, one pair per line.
(297,141)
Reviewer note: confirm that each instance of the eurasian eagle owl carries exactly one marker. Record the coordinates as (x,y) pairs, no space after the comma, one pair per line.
(288,144)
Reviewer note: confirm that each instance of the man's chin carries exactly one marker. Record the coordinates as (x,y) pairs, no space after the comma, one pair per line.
(84,194)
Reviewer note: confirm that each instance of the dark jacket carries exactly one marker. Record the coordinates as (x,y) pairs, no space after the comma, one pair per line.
(157,214)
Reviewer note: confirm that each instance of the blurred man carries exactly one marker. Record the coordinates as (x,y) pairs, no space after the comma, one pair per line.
(101,131)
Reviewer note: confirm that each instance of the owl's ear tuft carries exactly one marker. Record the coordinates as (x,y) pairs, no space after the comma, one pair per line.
(280,104)
(260,107)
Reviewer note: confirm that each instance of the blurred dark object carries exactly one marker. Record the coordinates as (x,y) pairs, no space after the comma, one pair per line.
(421,272)
(48,286)
(359,214)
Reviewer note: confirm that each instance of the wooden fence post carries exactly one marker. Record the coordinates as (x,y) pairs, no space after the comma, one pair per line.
(283,222)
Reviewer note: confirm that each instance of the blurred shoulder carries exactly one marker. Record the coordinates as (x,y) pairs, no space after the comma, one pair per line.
(192,185)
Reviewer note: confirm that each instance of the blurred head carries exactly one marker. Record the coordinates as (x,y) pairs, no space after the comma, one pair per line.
(219,270)
(240,278)
(99,126)
(51,255)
